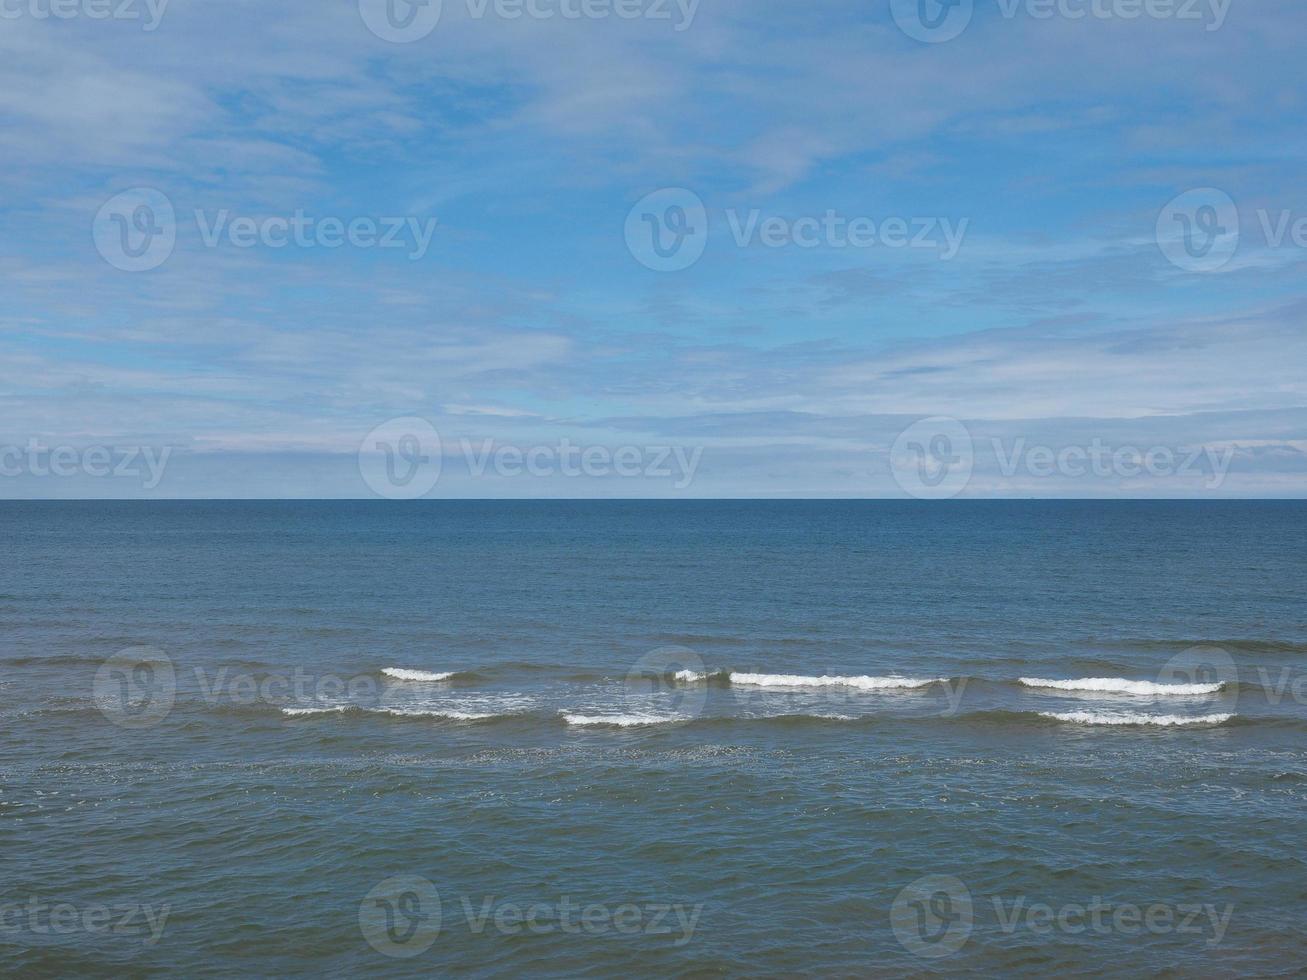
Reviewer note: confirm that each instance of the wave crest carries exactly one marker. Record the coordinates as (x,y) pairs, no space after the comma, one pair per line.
(1120,685)
(621,721)
(862,683)
(449,714)
(1134,718)
(406,674)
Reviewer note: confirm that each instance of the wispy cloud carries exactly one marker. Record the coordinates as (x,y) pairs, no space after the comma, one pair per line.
(513,150)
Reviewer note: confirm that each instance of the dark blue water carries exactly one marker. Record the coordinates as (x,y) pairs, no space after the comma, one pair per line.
(684,738)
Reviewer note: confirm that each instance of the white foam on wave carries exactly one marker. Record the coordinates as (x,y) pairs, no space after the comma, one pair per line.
(449,713)
(691,676)
(862,683)
(1120,685)
(405,674)
(1134,718)
(620,721)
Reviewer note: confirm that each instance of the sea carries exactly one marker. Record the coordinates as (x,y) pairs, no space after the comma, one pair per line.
(653,738)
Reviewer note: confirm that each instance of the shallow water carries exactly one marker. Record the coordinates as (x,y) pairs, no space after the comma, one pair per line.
(691,738)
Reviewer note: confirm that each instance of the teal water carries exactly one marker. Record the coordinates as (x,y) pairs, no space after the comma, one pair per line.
(206,769)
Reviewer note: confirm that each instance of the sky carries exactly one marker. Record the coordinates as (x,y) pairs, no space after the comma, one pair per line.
(653,248)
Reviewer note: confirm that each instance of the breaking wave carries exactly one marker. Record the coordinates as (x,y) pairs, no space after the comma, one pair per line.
(622,721)
(1134,718)
(862,683)
(1120,685)
(449,714)
(405,674)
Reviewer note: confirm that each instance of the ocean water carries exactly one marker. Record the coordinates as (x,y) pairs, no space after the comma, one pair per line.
(844,738)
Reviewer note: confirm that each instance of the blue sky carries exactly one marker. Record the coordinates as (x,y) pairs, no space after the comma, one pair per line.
(1045,156)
